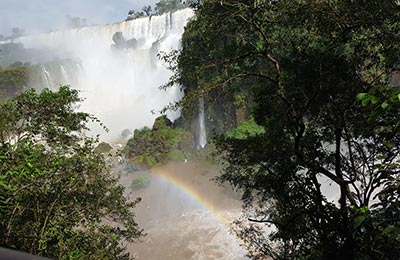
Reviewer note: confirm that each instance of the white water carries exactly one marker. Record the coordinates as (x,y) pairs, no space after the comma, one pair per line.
(65,76)
(46,77)
(179,226)
(121,89)
(120,85)
(202,125)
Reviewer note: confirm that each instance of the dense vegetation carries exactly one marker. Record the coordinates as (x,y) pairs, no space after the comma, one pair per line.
(319,79)
(18,74)
(13,80)
(139,183)
(57,198)
(161,7)
(162,143)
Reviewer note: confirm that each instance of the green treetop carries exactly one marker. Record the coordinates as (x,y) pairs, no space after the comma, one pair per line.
(303,64)
(57,197)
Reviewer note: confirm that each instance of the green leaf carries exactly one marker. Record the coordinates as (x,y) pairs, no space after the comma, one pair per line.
(365,102)
(358,221)
(388,144)
(5,186)
(374,100)
(392,232)
(361,96)
(364,210)
(384,105)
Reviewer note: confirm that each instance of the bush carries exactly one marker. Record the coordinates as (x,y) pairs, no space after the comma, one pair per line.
(150,147)
(140,183)
(103,147)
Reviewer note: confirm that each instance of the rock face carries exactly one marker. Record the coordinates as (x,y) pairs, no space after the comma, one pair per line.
(162,143)
(121,43)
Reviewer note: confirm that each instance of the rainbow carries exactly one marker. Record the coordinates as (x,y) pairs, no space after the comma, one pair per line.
(191,190)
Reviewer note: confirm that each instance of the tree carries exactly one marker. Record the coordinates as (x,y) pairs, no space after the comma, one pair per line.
(57,197)
(162,143)
(165,6)
(303,64)
(133,15)
(147,10)
(13,80)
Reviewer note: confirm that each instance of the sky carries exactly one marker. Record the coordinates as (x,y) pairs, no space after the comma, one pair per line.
(45,15)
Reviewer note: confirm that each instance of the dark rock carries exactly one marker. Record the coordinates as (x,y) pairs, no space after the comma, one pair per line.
(121,43)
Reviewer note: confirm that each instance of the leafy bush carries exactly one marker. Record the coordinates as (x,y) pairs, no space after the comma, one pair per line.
(150,147)
(13,80)
(55,191)
(103,147)
(245,129)
(140,183)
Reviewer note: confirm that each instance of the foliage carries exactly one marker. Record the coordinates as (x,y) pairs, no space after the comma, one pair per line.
(300,65)
(13,80)
(165,6)
(150,147)
(147,10)
(197,70)
(103,147)
(140,183)
(161,7)
(132,14)
(245,130)
(57,198)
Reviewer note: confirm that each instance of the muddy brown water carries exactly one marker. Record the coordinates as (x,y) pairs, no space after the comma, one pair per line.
(185,214)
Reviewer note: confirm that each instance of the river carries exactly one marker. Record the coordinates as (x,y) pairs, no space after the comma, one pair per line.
(185,214)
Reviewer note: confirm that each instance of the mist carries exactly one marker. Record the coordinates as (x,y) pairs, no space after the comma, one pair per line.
(115,67)
(185,214)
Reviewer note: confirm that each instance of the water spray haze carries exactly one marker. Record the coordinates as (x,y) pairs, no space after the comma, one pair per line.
(118,77)
(191,219)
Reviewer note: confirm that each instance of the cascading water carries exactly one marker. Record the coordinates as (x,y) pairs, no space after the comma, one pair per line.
(116,68)
(202,141)
(46,77)
(118,81)
(64,75)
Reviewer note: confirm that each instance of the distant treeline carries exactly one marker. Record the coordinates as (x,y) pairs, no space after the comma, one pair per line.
(164,6)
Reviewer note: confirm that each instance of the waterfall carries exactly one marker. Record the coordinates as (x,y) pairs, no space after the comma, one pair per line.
(46,77)
(202,141)
(64,75)
(117,71)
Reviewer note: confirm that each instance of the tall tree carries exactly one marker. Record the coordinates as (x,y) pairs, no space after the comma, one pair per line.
(147,10)
(165,6)
(304,63)
(57,197)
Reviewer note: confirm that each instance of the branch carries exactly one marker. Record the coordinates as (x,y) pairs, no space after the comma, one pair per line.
(263,221)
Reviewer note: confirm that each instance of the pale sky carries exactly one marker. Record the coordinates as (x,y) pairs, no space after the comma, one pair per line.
(45,15)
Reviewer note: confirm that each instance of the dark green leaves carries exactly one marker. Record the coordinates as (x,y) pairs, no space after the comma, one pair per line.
(55,190)
(321,79)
